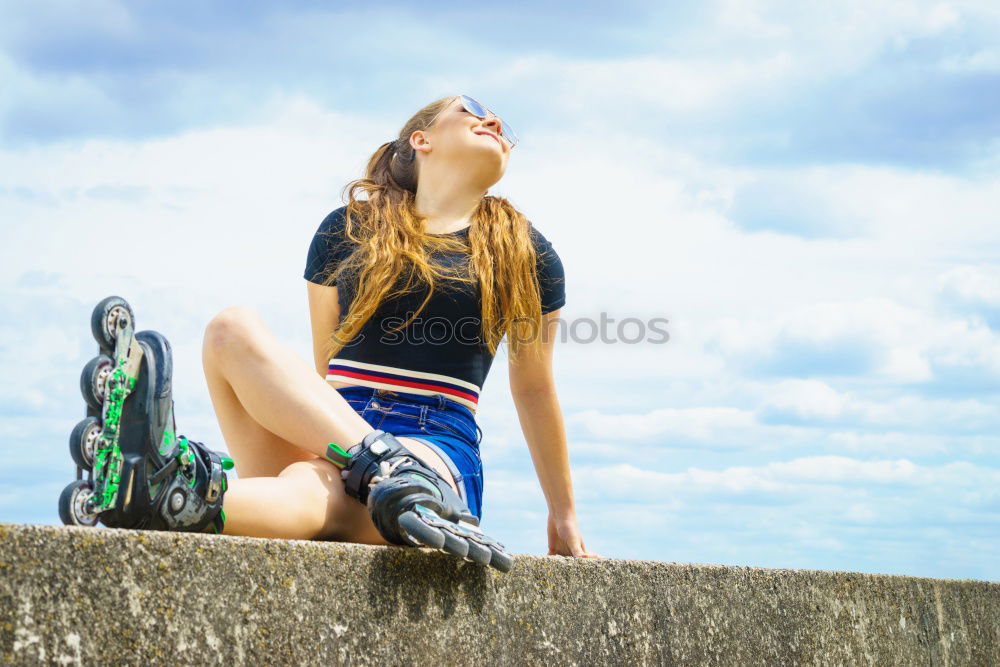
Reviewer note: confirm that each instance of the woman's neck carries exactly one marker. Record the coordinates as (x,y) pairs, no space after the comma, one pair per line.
(447,209)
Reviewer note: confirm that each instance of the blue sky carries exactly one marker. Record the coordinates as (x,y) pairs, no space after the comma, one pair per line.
(808,195)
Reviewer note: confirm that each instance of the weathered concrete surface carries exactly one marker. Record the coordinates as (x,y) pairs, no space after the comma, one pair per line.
(106,596)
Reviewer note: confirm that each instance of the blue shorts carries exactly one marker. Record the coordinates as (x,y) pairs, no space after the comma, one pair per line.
(444,425)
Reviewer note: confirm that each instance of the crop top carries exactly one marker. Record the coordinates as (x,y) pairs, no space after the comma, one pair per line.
(441,351)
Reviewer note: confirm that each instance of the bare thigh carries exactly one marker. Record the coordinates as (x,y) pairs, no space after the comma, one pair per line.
(432,459)
(256,451)
(259,452)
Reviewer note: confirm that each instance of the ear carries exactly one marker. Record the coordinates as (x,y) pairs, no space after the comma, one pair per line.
(420,142)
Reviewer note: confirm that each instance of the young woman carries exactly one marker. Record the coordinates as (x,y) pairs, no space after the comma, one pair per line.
(410,292)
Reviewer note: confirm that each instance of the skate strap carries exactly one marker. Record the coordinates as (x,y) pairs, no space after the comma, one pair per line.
(211,464)
(363,458)
(217,524)
(375,448)
(162,473)
(213,461)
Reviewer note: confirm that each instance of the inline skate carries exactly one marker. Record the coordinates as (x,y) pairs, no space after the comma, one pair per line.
(410,503)
(133,470)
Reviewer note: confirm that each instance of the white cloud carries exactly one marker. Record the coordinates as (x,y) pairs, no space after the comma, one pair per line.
(972,290)
(657,84)
(806,398)
(975,284)
(863,29)
(895,342)
(709,425)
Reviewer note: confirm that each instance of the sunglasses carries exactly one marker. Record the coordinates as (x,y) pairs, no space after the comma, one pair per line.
(481,112)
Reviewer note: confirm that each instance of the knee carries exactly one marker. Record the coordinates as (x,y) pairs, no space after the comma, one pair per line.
(315,505)
(315,477)
(299,468)
(233,328)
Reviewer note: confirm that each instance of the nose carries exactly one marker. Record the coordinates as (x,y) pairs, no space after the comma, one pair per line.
(494,124)
(491,118)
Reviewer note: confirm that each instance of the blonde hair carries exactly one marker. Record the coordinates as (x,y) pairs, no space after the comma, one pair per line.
(392,250)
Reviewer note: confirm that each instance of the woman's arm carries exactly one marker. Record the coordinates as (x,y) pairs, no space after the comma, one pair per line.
(533,389)
(324,313)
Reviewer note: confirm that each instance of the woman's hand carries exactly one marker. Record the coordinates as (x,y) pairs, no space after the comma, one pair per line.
(565,538)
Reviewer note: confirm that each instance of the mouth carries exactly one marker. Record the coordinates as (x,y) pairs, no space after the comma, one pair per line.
(490,134)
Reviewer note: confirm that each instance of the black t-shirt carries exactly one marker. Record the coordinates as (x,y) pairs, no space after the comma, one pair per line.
(441,351)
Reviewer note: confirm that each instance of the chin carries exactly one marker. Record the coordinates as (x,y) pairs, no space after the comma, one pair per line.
(487,157)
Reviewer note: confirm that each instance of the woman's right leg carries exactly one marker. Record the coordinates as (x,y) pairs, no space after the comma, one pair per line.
(266,398)
(273,408)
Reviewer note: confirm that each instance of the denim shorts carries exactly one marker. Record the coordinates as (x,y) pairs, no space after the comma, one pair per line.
(444,425)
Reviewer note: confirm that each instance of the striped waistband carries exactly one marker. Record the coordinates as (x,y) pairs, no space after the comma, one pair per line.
(401,379)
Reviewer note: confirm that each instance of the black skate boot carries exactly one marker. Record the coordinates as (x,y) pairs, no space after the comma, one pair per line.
(140,473)
(410,503)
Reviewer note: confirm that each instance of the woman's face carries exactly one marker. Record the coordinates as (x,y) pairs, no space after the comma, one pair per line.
(459,137)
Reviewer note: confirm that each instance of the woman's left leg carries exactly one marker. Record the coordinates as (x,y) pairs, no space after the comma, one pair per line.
(305,502)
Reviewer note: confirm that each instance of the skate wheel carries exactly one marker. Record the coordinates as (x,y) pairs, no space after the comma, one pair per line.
(110,315)
(74,504)
(490,551)
(83,442)
(419,523)
(479,553)
(421,532)
(501,560)
(455,545)
(94,380)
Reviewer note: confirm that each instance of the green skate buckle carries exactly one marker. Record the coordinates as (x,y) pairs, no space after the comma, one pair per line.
(337,456)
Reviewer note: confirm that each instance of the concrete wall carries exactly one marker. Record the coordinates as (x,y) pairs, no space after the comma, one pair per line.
(98,595)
